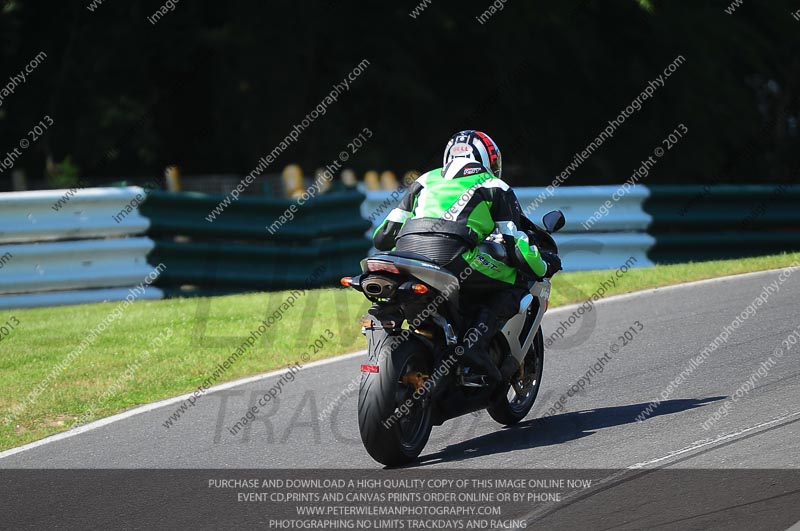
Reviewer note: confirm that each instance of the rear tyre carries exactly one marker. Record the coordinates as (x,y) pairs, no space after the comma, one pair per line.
(520,395)
(391,435)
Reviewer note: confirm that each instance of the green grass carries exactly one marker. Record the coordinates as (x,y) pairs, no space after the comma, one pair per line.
(205,331)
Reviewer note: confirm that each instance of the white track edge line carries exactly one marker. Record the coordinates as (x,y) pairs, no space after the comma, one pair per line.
(711,442)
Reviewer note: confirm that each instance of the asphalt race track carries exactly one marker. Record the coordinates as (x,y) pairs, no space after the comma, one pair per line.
(665,465)
(596,428)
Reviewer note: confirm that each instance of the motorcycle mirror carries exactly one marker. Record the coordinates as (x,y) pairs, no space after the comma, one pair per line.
(553,220)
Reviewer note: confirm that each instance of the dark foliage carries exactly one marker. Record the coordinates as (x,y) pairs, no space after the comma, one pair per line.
(213,86)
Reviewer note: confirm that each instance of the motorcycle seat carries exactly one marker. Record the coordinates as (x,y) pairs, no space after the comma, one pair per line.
(405,254)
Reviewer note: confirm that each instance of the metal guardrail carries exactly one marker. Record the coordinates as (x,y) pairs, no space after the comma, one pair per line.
(612,240)
(72,246)
(253,244)
(77,246)
(580,203)
(85,213)
(723,222)
(81,264)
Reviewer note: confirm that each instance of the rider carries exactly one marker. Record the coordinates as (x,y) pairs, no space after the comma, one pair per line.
(447,212)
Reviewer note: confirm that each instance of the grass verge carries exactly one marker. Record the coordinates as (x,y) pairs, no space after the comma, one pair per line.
(122,367)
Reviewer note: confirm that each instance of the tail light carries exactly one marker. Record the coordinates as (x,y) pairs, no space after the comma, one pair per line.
(380,265)
(346,281)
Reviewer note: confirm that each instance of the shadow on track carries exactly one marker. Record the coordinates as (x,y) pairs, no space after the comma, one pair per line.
(554,430)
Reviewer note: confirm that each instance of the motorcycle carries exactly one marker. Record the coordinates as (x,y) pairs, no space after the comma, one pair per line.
(414,378)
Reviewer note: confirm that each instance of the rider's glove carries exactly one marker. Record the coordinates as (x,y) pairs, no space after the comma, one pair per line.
(553,263)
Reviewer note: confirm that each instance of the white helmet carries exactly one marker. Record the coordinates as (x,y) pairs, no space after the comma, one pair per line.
(477,146)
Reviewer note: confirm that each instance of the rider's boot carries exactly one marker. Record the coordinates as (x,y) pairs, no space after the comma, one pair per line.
(476,345)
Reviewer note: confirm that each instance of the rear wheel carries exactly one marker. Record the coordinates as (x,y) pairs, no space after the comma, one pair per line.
(394,426)
(521,392)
